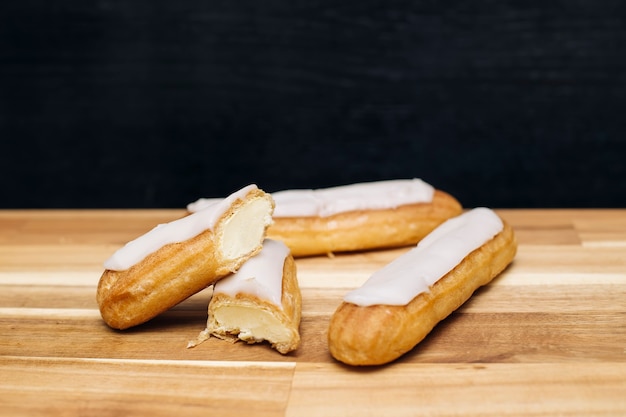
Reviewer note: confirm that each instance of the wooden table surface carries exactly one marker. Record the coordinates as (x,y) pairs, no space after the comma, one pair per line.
(546,338)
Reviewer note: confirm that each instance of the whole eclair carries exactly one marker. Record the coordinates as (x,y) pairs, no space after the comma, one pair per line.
(400,304)
(356,217)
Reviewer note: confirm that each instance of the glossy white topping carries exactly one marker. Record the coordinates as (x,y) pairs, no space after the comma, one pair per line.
(201,204)
(261,275)
(378,195)
(434,256)
(176,231)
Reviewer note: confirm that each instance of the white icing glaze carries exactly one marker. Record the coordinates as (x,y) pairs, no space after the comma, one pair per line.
(378,195)
(261,275)
(176,231)
(201,204)
(434,256)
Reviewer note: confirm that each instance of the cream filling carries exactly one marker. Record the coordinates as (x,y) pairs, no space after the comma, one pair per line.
(261,276)
(250,324)
(377,195)
(176,231)
(434,256)
(244,230)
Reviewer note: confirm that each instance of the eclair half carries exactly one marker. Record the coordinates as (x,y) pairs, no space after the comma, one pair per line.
(260,302)
(175,260)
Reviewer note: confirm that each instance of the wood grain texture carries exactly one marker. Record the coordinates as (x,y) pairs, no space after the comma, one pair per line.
(547,337)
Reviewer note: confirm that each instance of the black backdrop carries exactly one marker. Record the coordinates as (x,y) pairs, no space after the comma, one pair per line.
(107,103)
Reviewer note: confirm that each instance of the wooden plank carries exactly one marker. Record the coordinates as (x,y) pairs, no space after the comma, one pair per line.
(61,227)
(512,389)
(518,298)
(510,336)
(52,386)
(55,256)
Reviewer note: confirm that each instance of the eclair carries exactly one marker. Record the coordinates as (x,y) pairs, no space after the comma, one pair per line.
(260,302)
(398,306)
(356,217)
(175,260)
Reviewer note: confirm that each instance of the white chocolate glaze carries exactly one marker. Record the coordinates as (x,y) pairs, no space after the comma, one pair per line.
(434,256)
(378,195)
(261,275)
(173,232)
(201,204)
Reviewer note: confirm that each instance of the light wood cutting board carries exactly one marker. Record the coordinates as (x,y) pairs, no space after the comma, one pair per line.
(547,337)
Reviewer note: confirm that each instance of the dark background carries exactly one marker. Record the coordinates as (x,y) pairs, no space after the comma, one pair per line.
(158,103)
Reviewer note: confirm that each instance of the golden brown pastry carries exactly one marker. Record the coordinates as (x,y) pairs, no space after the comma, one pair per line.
(401,303)
(260,302)
(364,229)
(173,261)
(356,217)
